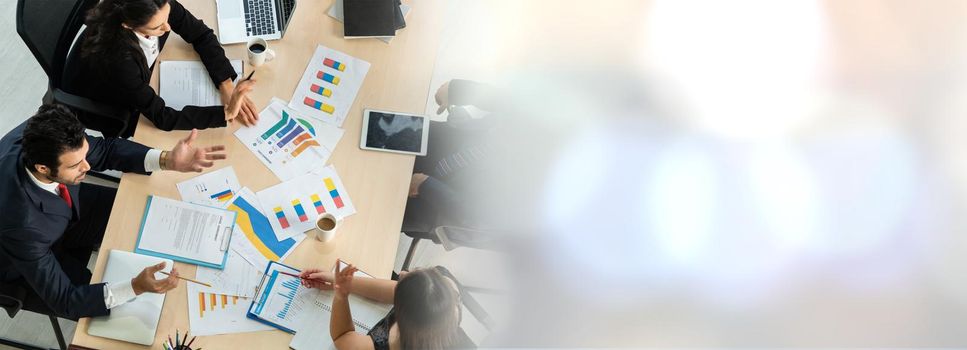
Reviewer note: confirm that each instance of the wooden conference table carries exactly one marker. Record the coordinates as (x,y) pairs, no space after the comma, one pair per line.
(377,182)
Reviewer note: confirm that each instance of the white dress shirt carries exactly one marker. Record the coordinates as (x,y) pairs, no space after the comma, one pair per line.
(121,292)
(149,46)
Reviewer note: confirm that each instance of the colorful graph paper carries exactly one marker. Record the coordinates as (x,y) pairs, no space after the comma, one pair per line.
(331,187)
(326,77)
(317,202)
(258,230)
(331,63)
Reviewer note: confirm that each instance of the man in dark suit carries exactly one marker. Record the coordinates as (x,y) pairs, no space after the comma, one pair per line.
(51,221)
(453,177)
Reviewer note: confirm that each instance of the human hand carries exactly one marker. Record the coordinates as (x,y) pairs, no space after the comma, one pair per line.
(317,278)
(145,281)
(415,182)
(249,114)
(442,97)
(237,100)
(344,280)
(185,157)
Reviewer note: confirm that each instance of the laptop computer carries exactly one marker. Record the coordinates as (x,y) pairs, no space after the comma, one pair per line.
(241,20)
(137,320)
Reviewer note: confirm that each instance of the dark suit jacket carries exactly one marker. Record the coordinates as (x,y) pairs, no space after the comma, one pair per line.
(34,219)
(454,200)
(124,82)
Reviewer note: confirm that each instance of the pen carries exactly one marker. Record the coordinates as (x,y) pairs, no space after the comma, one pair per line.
(250,75)
(177,336)
(291,274)
(189,280)
(183,340)
(192,341)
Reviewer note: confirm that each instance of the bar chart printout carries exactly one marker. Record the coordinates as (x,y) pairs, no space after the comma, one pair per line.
(285,141)
(281,299)
(211,314)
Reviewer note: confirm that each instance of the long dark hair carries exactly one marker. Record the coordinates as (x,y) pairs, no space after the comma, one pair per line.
(106,38)
(427,310)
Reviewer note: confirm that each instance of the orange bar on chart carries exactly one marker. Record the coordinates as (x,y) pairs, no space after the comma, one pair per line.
(201,304)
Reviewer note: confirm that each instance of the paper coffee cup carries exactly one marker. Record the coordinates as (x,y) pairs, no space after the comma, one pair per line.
(326,225)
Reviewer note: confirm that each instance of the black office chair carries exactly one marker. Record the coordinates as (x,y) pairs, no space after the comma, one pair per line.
(48,28)
(470,302)
(452,237)
(12,299)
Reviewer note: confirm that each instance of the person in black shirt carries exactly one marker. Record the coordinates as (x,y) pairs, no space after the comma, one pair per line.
(113,58)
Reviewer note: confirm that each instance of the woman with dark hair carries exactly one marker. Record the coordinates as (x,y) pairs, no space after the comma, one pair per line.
(425,315)
(113,58)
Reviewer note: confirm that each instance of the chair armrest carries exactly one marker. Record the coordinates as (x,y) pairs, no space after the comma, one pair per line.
(11,298)
(453,237)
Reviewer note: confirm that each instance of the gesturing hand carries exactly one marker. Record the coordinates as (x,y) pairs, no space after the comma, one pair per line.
(239,99)
(317,278)
(145,281)
(442,97)
(344,280)
(185,157)
(415,182)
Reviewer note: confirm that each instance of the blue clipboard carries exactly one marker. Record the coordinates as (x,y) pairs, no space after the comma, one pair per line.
(144,219)
(262,296)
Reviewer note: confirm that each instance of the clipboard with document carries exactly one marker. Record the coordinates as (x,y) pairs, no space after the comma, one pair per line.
(186,232)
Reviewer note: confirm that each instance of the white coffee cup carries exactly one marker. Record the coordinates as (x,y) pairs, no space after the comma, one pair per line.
(326,225)
(259,52)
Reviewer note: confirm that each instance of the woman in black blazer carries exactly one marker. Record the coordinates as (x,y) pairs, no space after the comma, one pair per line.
(112,61)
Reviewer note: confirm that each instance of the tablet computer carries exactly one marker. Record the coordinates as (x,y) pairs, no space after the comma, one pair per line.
(394,132)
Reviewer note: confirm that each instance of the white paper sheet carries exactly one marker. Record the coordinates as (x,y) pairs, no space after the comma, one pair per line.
(214,188)
(184,230)
(238,278)
(342,92)
(210,314)
(254,239)
(187,83)
(294,205)
(288,143)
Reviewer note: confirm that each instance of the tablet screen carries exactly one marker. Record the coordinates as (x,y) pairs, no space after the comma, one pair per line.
(395,132)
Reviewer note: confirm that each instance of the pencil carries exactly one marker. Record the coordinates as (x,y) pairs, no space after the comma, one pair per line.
(291,274)
(183,340)
(189,280)
(192,341)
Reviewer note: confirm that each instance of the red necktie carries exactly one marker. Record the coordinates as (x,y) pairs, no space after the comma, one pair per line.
(66,195)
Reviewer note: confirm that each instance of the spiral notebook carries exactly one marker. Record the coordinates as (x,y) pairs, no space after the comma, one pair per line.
(314,331)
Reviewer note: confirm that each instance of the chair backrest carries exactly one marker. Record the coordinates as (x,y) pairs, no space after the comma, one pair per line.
(476,310)
(49,27)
